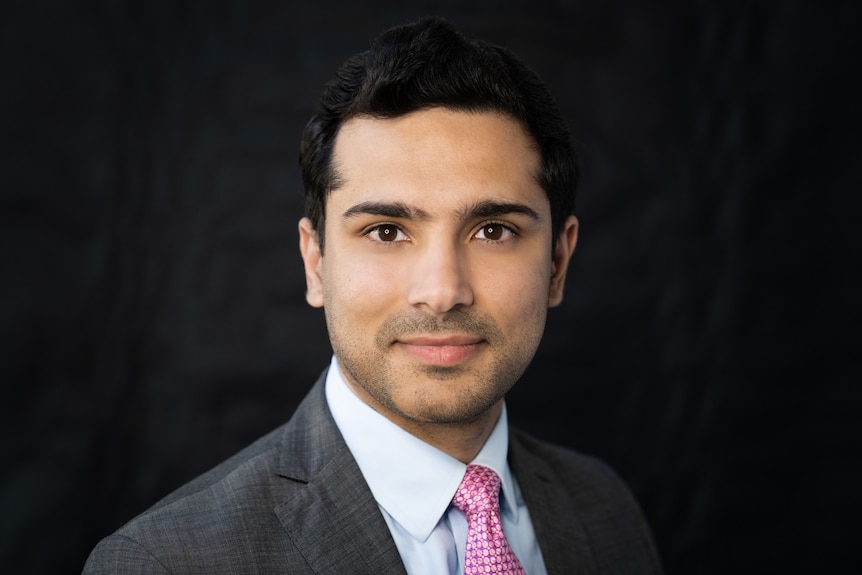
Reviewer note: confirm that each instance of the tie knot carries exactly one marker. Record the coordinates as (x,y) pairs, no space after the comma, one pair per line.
(479,491)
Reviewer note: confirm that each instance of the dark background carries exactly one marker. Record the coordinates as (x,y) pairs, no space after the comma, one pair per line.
(153,319)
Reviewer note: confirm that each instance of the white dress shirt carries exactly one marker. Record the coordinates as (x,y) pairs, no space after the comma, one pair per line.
(413,484)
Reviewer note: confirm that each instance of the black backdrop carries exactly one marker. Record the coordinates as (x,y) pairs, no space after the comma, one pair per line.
(153,319)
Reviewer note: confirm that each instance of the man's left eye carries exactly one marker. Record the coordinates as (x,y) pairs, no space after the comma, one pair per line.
(493,232)
(387,233)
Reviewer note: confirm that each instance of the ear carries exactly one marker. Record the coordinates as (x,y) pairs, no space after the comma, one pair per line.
(560,263)
(309,247)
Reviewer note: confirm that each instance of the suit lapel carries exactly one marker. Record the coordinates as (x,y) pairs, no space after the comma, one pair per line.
(561,534)
(331,516)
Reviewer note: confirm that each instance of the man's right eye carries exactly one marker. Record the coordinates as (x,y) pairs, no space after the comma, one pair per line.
(387,233)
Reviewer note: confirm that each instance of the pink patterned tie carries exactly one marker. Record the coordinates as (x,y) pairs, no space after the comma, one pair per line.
(478,497)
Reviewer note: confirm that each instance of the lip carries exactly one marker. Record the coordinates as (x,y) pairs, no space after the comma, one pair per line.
(447,351)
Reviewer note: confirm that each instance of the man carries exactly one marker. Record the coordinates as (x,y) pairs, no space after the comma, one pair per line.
(439,183)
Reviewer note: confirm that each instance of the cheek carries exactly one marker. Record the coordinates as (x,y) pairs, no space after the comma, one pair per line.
(517,288)
(360,284)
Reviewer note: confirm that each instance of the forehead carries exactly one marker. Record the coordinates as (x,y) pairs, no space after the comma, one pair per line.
(436,154)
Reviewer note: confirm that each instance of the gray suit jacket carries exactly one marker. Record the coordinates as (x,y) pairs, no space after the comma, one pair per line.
(296,502)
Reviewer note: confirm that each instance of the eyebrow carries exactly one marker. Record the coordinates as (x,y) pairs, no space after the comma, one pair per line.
(491,209)
(480,210)
(385,209)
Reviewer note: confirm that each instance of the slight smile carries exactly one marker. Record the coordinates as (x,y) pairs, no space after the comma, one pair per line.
(441,351)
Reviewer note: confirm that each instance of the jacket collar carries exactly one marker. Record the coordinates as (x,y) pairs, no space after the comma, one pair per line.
(331,515)
(562,537)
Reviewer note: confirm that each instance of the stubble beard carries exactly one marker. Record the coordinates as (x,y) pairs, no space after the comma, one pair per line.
(480,390)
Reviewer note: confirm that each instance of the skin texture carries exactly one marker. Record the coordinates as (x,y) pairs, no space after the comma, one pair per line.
(436,277)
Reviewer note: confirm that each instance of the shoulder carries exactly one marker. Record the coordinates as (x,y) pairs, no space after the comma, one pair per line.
(120,554)
(563,485)
(255,465)
(187,529)
(226,520)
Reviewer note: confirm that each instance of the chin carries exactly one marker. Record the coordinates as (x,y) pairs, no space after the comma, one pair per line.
(449,410)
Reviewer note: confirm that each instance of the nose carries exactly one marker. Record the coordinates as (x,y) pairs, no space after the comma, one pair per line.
(440,279)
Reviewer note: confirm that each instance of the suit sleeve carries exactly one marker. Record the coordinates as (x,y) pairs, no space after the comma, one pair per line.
(121,555)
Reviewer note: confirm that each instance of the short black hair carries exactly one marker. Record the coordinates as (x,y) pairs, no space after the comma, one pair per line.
(429,64)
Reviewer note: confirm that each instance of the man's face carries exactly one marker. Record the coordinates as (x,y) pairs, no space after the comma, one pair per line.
(437,272)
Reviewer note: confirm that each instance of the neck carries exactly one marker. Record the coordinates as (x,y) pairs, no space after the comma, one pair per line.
(461,440)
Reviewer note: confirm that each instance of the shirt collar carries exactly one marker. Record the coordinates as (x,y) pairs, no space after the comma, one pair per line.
(411,480)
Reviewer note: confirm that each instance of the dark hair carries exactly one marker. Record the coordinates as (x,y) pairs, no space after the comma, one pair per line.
(429,64)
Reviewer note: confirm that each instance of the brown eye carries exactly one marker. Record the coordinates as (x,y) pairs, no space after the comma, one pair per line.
(495,232)
(492,231)
(387,233)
